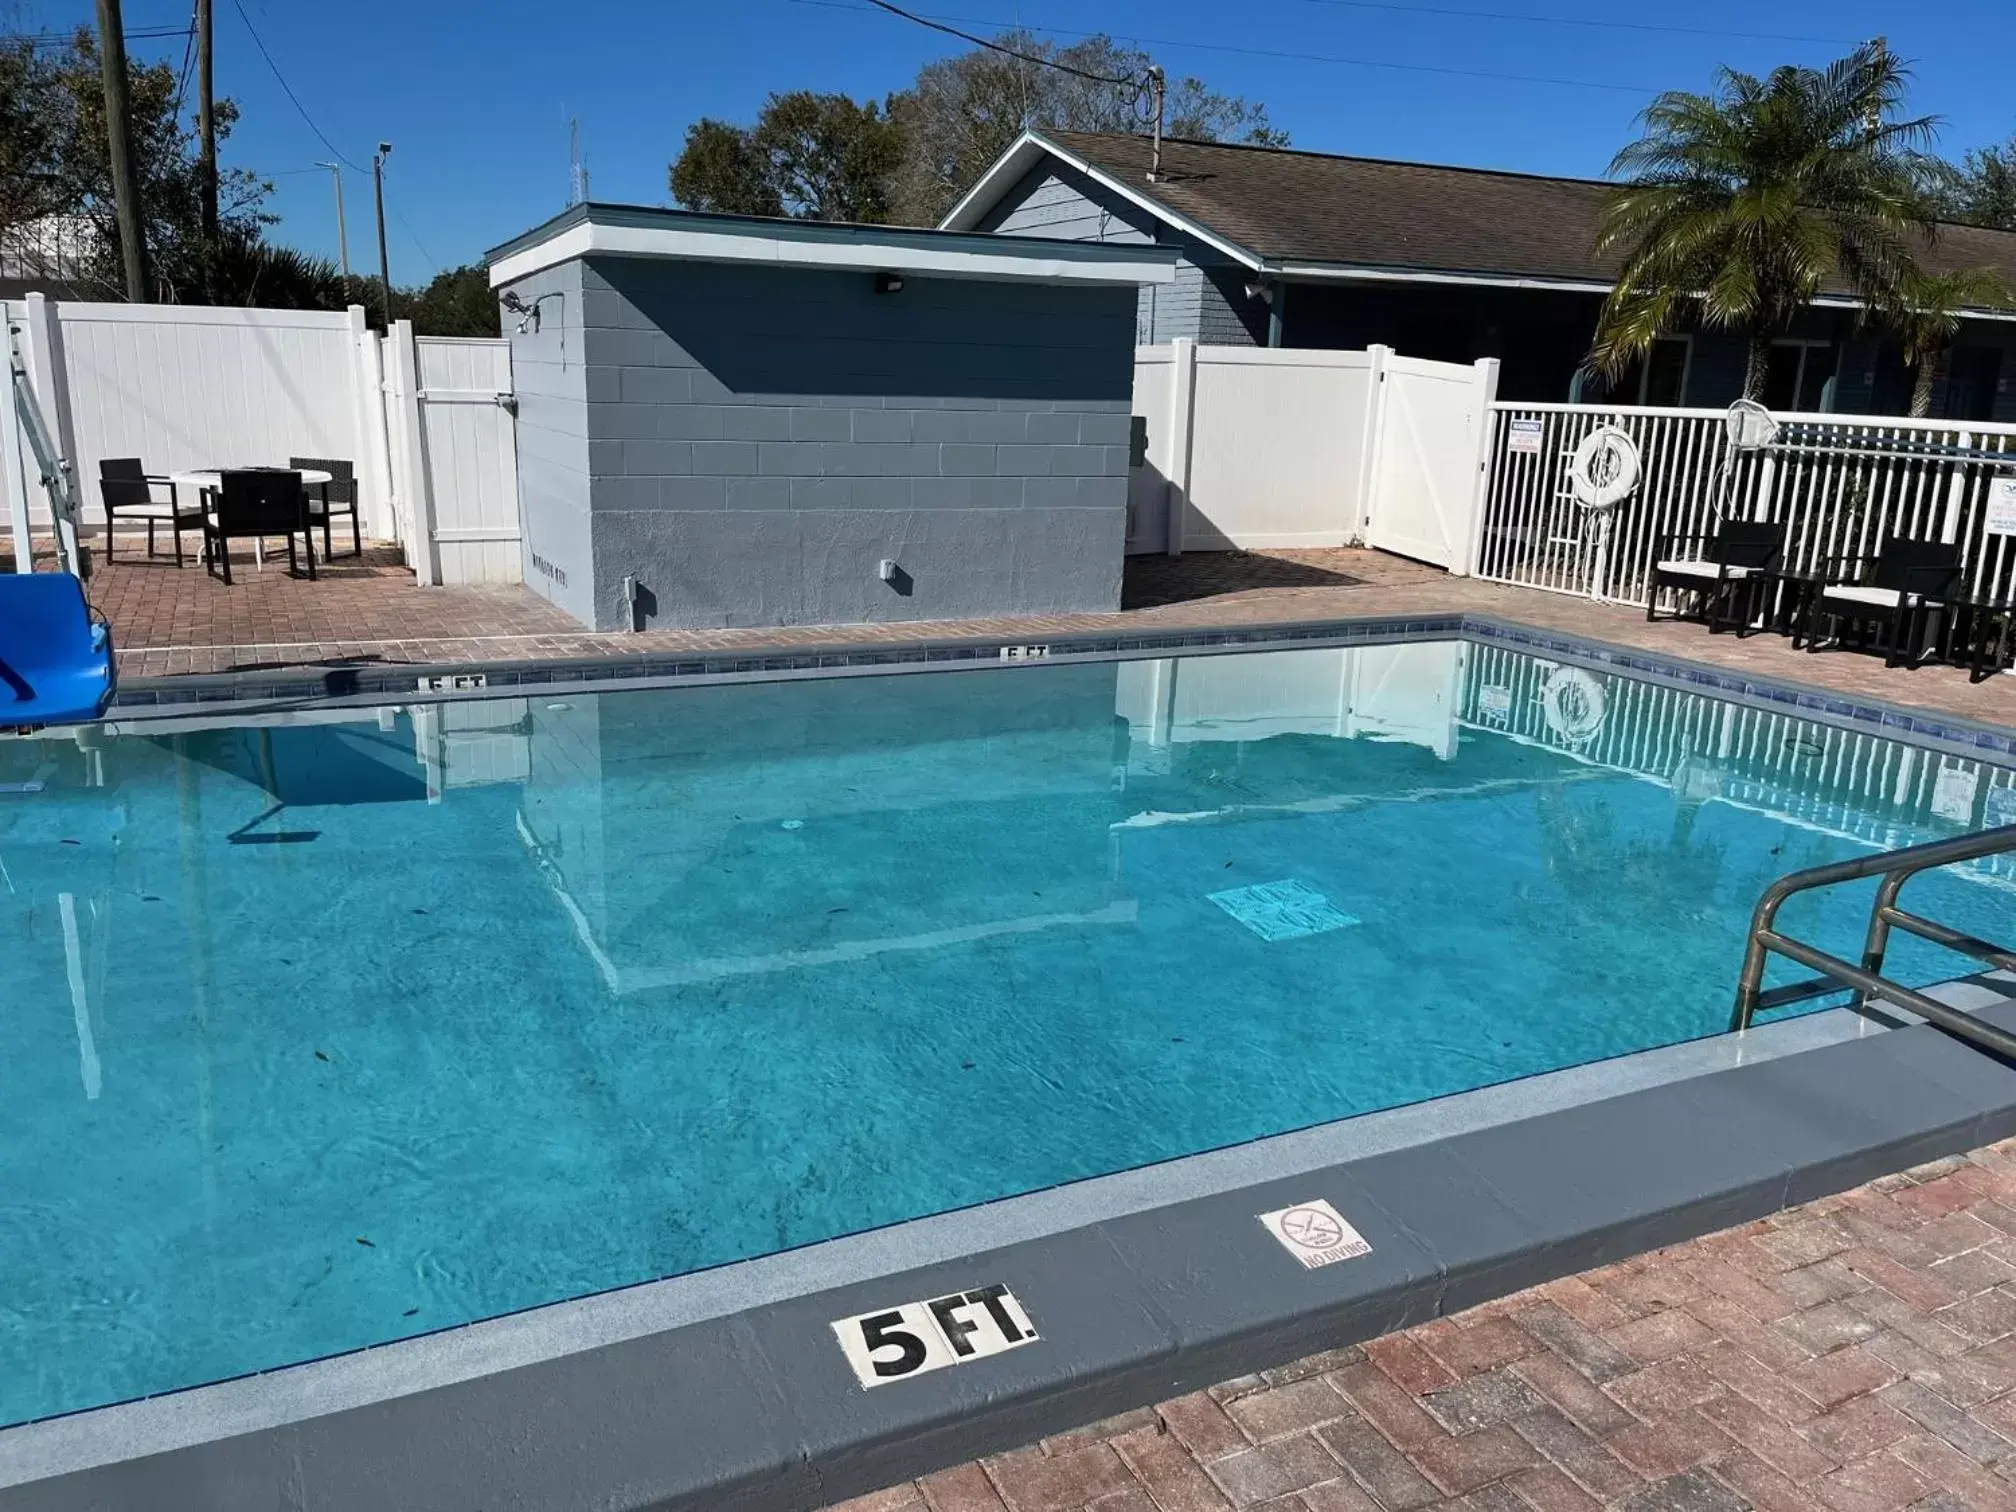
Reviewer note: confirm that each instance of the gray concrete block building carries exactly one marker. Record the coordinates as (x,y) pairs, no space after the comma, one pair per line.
(727,420)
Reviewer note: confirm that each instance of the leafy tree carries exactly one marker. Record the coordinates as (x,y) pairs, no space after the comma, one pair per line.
(963,112)
(1981,189)
(458,302)
(812,156)
(827,157)
(720,170)
(1927,315)
(1737,207)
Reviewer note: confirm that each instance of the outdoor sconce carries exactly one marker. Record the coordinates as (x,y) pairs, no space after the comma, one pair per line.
(888,283)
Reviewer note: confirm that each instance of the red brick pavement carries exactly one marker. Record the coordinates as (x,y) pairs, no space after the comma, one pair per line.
(168,622)
(1854,1355)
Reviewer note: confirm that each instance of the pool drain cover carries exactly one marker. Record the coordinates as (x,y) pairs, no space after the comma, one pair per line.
(1282,910)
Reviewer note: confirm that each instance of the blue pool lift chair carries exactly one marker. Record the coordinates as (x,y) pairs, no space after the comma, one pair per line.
(55,653)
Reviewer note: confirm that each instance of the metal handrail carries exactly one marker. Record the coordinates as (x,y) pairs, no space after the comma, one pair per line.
(1895,868)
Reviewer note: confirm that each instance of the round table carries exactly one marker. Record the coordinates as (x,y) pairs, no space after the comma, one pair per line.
(212,478)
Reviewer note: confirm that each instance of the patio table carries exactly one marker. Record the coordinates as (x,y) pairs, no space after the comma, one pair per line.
(210,479)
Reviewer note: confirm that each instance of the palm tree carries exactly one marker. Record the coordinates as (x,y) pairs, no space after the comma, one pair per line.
(1926,316)
(1737,207)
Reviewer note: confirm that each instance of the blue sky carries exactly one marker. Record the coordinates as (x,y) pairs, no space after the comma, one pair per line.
(476,96)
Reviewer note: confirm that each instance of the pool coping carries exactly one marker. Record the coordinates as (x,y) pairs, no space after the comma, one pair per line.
(142,700)
(727,1389)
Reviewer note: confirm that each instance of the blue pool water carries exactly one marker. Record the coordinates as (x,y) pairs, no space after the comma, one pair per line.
(317,1035)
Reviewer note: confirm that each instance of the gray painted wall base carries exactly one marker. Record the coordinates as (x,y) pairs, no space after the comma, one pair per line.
(757,1410)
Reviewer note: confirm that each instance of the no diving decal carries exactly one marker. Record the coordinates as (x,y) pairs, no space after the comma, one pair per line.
(1315,1233)
(899,1342)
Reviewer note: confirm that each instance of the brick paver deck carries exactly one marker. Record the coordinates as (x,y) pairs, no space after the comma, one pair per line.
(1857,1354)
(168,621)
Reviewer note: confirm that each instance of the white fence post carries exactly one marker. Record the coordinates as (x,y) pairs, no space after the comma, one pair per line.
(1375,430)
(413,485)
(1182,412)
(1956,494)
(1487,418)
(367,392)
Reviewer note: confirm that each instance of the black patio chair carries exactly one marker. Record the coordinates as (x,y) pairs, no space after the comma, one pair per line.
(336,497)
(1893,592)
(257,503)
(126,489)
(1720,569)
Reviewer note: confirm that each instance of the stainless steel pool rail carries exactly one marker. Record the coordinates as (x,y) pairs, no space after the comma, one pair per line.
(1895,867)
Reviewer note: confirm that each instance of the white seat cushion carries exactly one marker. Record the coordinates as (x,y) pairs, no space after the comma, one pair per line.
(1703,569)
(153,509)
(1882,598)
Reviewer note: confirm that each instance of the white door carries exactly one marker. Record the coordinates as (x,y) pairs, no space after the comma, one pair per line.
(1425,460)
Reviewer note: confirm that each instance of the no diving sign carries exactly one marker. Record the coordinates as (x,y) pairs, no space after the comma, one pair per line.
(1315,1233)
(899,1342)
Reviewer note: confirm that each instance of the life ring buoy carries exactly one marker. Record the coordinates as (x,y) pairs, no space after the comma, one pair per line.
(1575,705)
(1604,470)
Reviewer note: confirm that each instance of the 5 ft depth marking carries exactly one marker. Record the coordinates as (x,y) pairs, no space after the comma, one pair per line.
(899,1342)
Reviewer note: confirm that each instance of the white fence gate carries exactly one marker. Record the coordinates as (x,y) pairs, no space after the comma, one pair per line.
(186,387)
(1256,447)
(1832,503)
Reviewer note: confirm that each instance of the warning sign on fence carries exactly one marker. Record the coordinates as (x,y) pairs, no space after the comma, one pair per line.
(1524,436)
(2002,506)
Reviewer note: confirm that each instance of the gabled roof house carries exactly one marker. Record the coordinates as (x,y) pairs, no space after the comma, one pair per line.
(1309,249)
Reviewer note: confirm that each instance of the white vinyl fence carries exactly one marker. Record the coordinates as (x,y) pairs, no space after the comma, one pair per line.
(191,387)
(1832,503)
(1252,447)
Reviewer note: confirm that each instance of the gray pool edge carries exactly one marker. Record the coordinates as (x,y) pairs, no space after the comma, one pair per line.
(205,696)
(1148,1292)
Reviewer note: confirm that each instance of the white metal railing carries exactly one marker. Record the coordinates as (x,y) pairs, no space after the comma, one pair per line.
(1849,486)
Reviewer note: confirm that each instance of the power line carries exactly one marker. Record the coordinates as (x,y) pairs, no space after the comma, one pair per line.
(288,89)
(953,31)
(139,34)
(414,237)
(1265,52)
(1636,26)
(188,58)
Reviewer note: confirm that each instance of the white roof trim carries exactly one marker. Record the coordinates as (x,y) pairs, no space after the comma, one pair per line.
(1314,272)
(1019,159)
(1007,260)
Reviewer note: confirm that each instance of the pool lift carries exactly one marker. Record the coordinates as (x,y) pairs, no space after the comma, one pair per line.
(55,650)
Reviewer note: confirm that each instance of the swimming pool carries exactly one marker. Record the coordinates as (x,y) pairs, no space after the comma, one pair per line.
(330,1031)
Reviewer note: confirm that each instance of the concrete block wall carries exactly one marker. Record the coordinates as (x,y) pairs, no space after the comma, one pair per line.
(759,440)
(550,374)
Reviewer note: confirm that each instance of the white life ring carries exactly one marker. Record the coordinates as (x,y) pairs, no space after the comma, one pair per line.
(1574,704)
(1604,470)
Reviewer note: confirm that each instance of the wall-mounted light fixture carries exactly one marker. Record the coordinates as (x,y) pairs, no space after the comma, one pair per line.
(888,283)
(1264,292)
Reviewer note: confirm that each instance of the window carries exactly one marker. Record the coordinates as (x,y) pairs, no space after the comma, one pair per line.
(1796,379)
(1973,374)
(1663,381)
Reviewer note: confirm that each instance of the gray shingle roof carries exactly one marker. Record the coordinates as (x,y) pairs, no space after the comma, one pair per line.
(1370,212)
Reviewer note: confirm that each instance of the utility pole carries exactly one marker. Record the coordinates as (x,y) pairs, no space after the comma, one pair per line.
(384,263)
(342,226)
(119,149)
(206,121)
